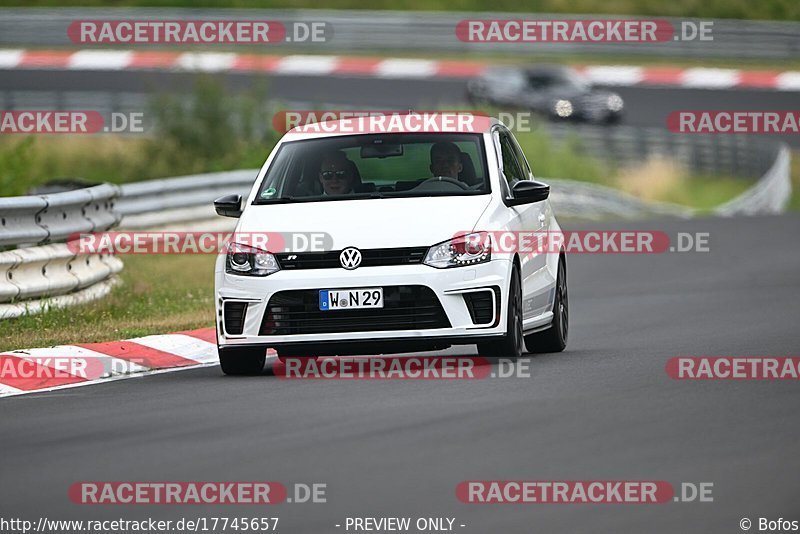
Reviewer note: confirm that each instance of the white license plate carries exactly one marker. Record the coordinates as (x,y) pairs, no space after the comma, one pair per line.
(350,299)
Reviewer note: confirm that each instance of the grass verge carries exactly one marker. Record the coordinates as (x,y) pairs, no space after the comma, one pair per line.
(158,294)
(204,131)
(794,203)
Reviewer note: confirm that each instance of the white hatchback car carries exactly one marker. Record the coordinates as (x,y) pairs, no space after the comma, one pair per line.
(409,262)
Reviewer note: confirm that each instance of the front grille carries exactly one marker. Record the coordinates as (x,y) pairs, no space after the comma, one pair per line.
(233,315)
(369,258)
(404,308)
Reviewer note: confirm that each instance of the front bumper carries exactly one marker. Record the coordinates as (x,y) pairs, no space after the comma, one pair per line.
(448,285)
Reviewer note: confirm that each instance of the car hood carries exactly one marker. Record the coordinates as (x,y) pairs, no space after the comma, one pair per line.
(368,223)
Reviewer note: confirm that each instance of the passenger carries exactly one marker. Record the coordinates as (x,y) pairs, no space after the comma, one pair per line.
(446,160)
(336,174)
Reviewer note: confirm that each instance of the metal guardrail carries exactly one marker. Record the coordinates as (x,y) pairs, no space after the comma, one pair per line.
(18,220)
(571,198)
(186,198)
(744,156)
(30,277)
(41,218)
(770,194)
(35,277)
(418,31)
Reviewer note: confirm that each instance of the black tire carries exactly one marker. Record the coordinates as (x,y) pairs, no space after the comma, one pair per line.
(242,360)
(613,119)
(510,345)
(554,339)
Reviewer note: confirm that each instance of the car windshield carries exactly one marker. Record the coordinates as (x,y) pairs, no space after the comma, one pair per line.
(565,80)
(376,166)
(572,80)
(511,79)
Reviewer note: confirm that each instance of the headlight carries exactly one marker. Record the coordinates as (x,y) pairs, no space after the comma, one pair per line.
(614,103)
(563,108)
(249,261)
(465,250)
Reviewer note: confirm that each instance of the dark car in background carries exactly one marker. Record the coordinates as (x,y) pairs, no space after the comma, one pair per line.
(558,92)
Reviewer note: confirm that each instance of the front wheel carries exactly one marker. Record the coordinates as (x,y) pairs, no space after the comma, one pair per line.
(242,360)
(554,339)
(510,345)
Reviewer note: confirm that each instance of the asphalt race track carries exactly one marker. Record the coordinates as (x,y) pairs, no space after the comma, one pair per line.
(645,106)
(604,409)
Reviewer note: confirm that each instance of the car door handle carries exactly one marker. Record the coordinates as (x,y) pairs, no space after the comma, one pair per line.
(541,217)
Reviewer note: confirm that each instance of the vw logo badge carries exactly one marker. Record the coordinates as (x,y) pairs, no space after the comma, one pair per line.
(350,258)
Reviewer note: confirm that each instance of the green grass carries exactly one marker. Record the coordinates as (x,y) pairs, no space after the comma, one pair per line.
(794,203)
(707,192)
(743,9)
(158,294)
(549,159)
(205,131)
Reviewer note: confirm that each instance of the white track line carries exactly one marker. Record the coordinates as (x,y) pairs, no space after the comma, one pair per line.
(100,60)
(615,75)
(181,345)
(702,78)
(205,61)
(406,68)
(10,59)
(313,65)
(788,81)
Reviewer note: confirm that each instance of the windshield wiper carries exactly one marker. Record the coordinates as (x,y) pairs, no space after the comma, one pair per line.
(321,198)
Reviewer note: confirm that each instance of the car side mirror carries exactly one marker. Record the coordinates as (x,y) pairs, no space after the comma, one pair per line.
(529,191)
(229,206)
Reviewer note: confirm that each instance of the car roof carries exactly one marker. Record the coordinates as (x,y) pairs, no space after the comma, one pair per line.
(350,126)
(558,70)
(532,70)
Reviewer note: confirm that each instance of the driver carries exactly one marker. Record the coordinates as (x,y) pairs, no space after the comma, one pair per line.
(446,160)
(336,174)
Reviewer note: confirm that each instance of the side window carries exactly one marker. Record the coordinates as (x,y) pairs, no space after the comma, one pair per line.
(511,167)
(539,81)
(523,163)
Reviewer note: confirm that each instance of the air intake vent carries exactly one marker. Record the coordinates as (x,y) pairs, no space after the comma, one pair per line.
(480,305)
(233,314)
